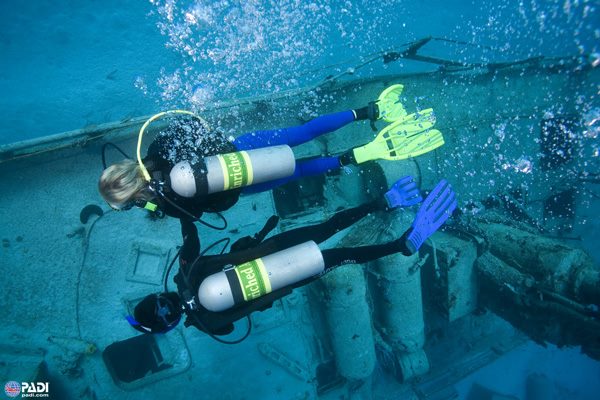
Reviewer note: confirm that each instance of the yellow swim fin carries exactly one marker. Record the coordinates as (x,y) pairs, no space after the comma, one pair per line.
(408,137)
(389,104)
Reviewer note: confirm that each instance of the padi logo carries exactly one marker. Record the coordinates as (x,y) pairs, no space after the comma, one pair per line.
(26,389)
(37,389)
(12,389)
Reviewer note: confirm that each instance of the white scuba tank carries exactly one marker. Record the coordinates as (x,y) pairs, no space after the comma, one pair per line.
(253,279)
(232,170)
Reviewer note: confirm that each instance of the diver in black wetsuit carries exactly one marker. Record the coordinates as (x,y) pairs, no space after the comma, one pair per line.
(214,294)
(174,179)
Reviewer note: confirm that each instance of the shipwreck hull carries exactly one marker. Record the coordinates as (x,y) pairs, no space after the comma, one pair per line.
(76,279)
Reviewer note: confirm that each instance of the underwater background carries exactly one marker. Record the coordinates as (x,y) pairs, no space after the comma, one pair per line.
(69,64)
(79,69)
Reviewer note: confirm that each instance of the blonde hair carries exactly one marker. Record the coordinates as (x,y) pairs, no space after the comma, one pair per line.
(123,182)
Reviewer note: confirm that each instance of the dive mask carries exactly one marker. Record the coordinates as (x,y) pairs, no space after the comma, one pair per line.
(163,309)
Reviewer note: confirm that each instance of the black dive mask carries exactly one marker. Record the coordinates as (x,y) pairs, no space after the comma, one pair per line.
(165,311)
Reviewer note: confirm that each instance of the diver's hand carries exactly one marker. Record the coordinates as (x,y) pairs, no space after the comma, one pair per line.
(436,209)
(403,193)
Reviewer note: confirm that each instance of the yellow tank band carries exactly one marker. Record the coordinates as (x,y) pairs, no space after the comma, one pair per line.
(253,279)
(237,169)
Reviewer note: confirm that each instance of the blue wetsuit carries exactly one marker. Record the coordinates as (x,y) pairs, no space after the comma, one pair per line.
(161,160)
(293,137)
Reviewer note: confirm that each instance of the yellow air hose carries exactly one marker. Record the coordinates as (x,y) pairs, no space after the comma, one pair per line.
(148,122)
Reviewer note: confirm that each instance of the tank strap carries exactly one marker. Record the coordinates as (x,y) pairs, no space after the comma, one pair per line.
(248,242)
(268,227)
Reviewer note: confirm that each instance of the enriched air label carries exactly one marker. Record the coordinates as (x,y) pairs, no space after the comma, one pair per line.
(253,279)
(237,170)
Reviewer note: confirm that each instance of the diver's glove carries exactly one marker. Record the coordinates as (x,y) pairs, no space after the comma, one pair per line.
(403,193)
(434,211)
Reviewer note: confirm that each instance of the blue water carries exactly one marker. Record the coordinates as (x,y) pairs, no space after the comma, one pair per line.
(67,65)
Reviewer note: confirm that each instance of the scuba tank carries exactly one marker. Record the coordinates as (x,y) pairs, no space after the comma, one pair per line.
(232,170)
(253,279)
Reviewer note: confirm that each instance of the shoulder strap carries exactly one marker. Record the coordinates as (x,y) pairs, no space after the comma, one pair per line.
(247,242)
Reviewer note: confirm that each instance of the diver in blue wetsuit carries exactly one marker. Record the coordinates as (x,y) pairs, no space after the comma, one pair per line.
(215,291)
(123,185)
(301,134)
(190,168)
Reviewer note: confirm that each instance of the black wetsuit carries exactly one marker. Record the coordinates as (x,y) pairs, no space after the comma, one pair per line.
(191,274)
(176,145)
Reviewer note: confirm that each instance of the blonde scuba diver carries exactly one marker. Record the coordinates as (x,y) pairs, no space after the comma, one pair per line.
(190,169)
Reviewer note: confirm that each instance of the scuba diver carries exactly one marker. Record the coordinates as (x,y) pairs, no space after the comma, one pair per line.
(190,169)
(215,291)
